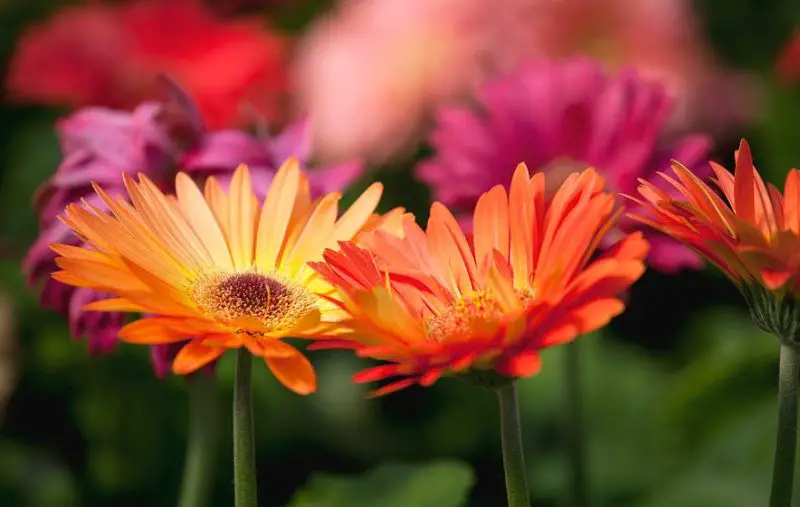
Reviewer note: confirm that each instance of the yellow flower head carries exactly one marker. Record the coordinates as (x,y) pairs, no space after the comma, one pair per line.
(217,270)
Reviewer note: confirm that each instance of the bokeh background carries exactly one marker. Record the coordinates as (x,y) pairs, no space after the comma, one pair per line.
(680,390)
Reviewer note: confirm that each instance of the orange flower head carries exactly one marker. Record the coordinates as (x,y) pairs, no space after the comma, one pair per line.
(752,234)
(439,302)
(217,270)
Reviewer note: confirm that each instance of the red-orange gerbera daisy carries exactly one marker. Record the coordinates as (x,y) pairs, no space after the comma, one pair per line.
(221,270)
(754,237)
(436,302)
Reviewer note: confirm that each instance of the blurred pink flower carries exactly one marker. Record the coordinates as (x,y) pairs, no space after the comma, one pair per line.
(370,72)
(560,117)
(158,139)
(661,39)
(110,55)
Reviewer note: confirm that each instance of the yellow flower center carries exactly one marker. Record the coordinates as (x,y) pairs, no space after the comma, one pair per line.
(251,300)
(464,318)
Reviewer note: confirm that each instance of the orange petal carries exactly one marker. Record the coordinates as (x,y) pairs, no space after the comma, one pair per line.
(524,364)
(490,224)
(744,184)
(242,218)
(295,372)
(450,249)
(774,280)
(193,356)
(150,331)
(276,213)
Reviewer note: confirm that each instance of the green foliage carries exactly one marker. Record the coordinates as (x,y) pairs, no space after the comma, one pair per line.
(441,484)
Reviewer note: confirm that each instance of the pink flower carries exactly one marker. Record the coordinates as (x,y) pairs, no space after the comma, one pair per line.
(659,38)
(220,152)
(378,66)
(158,139)
(560,117)
(110,55)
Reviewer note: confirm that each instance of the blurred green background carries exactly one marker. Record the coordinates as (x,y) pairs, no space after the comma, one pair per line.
(681,390)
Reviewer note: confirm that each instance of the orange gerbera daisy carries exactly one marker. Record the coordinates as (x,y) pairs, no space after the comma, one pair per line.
(437,302)
(219,270)
(754,237)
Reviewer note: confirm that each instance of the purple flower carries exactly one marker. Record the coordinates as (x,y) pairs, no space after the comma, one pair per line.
(220,152)
(558,117)
(158,139)
(98,145)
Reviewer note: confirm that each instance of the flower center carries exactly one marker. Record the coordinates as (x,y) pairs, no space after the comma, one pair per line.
(465,318)
(251,300)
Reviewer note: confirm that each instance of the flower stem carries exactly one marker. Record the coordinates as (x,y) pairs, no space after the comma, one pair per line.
(513,455)
(577,449)
(244,458)
(201,449)
(785,449)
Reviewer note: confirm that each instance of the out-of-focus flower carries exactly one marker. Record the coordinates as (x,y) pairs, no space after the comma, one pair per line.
(754,237)
(111,55)
(434,302)
(218,269)
(379,66)
(99,145)
(661,39)
(788,65)
(559,117)
(220,151)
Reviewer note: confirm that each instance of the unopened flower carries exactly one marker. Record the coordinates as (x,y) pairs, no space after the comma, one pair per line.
(438,302)
(222,270)
(559,117)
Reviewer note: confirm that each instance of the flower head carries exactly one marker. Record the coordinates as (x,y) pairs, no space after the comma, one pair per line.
(752,235)
(111,55)
(220,269)
(160,138)
(438,301)
(559,117)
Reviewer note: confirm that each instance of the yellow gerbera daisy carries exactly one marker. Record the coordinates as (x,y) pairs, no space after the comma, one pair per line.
(219,270)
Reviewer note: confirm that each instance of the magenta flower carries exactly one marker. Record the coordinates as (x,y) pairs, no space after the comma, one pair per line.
(98,145)
(157,139)
(220,152)
(559,117)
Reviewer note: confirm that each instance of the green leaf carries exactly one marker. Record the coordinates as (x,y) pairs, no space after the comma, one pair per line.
(439,484)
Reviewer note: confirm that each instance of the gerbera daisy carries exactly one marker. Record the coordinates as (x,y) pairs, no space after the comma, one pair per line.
(219,269)
(559,117)
(753,236)
(158,139)
(438,302)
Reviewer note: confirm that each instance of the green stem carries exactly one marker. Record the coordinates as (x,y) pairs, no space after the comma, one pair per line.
(244,458)
(785,449)
(513,455)
(577,448)
(201,448)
